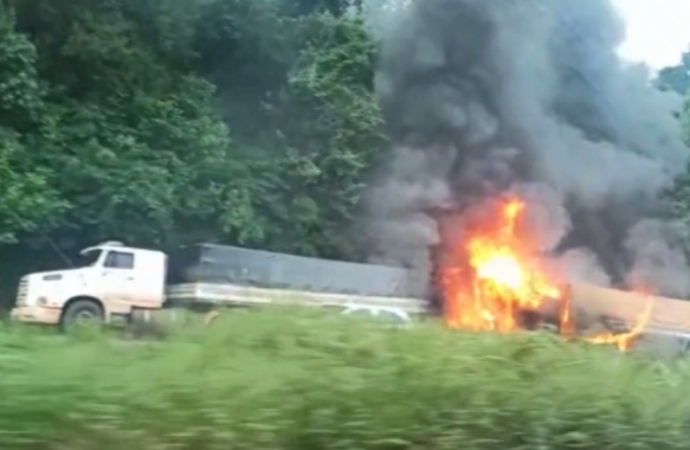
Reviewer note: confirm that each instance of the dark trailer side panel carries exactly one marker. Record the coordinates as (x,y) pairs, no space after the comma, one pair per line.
(219,264)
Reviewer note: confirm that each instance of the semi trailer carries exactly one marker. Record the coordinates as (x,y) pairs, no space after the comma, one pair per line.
(115,283)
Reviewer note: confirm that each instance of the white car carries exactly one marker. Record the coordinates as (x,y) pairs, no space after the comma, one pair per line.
(395,315)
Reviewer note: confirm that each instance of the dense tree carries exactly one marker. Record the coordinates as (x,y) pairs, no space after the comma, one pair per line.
(331,132)
(162,122)
(676,78)
(301,97)
(129,134)
(27,201)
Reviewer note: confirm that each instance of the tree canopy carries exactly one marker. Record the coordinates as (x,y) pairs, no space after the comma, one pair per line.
(676,78)
(166,122)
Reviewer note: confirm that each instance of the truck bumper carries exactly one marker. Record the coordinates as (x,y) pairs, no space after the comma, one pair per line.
(36,314)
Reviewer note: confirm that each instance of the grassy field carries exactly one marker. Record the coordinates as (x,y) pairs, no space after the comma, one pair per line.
(281,380)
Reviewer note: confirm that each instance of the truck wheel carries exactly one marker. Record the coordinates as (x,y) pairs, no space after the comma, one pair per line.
(82,312)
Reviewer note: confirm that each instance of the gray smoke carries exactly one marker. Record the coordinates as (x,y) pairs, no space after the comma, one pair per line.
(483,97)
(659,258)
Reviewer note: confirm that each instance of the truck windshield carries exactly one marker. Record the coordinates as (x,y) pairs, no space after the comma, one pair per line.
(89,259)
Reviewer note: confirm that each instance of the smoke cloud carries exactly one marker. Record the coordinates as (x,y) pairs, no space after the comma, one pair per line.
(529,96)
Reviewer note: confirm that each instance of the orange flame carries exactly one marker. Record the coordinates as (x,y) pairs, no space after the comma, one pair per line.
(501,277)
(626,341)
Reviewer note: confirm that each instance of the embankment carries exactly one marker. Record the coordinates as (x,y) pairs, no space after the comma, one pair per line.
(280,381)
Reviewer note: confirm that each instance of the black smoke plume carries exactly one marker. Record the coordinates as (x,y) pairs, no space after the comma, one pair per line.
(484,97)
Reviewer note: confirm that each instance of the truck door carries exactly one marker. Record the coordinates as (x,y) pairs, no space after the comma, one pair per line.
(119,280)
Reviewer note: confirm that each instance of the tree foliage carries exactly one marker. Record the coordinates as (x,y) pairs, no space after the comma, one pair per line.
(164,122)
(27,200)
(676,78)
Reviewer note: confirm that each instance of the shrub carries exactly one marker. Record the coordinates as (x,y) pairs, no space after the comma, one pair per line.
(287,380)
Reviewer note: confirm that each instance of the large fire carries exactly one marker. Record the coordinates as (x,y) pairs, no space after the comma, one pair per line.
(501,277)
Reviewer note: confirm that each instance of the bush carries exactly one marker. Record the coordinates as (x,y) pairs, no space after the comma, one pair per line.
(283,380)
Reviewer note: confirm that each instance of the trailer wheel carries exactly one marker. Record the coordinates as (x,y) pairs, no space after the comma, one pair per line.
(82,313)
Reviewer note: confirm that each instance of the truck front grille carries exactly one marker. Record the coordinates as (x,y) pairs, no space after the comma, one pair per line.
(22,292)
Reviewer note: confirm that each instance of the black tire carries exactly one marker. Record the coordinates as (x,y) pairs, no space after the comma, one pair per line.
(82,312)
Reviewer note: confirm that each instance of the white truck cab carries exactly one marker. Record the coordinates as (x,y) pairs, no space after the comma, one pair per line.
(110,280)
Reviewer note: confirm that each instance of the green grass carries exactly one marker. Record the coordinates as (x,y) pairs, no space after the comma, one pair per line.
(282,380)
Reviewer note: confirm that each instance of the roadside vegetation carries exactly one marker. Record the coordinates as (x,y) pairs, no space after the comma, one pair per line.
(289,380)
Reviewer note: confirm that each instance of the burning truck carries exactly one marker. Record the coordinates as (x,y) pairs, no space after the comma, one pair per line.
(536,163)
(491,281)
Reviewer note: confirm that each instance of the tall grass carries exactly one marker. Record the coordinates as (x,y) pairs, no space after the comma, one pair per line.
(282,380)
